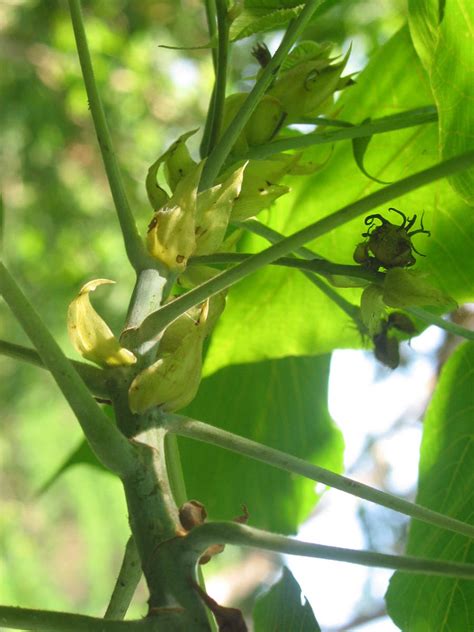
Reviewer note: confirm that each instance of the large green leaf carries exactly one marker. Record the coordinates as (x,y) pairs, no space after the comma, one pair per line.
(281,403)
(280,609)
(446,484)
(277,313)
(424,20)
(443,34)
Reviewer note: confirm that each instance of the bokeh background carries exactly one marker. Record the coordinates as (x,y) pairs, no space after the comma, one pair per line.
(61,549)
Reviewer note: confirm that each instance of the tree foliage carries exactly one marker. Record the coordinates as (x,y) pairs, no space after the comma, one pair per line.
(244,254)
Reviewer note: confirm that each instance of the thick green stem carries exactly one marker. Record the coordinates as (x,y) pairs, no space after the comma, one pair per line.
(220,152)
(126,584)
(178,487)
(96,379)
(199,431)
(231,533)
(134,246)
(411,118)
(154,521)
(157,321)
(110,446)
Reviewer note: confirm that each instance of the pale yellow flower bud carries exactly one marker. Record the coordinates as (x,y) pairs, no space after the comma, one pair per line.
(89,333)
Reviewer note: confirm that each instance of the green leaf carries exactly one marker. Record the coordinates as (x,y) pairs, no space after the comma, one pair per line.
(452,79)
(281,609)
(359,147)
(406,288)
(276,313)
(281,403)
(444,37)
(423,20)
(264,15)
(446,484)
(82,454)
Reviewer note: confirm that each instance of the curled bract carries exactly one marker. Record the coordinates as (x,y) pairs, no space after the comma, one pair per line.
(408,288)
(190,223)
(177,162)
(89,333)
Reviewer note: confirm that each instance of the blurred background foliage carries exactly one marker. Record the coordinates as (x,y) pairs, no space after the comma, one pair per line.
(61,550)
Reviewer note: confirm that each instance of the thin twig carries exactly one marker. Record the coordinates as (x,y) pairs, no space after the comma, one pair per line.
(200,431)
(95,378)
(403,120)
(232,533)
(134,245)
(126,584)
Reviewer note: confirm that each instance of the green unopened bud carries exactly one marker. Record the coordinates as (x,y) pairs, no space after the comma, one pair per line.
(304,89)
(262,125)
(405,288)
(89,333)
(265,121)
(232,105)
(171,233)
(173,380)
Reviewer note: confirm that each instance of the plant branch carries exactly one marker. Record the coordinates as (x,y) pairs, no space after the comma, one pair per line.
(134,246)
(157,321)
(231,533)
(178,487)
(210,7)
(447,325)
(320,266)
(200,431)
(49,621)
(108,444)
(411,118)
(216,109)
(126,584)
(96,379)
(220,152)
(273,236)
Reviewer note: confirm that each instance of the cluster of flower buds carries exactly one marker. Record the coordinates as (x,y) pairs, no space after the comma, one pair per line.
(187,222)
(172,380)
